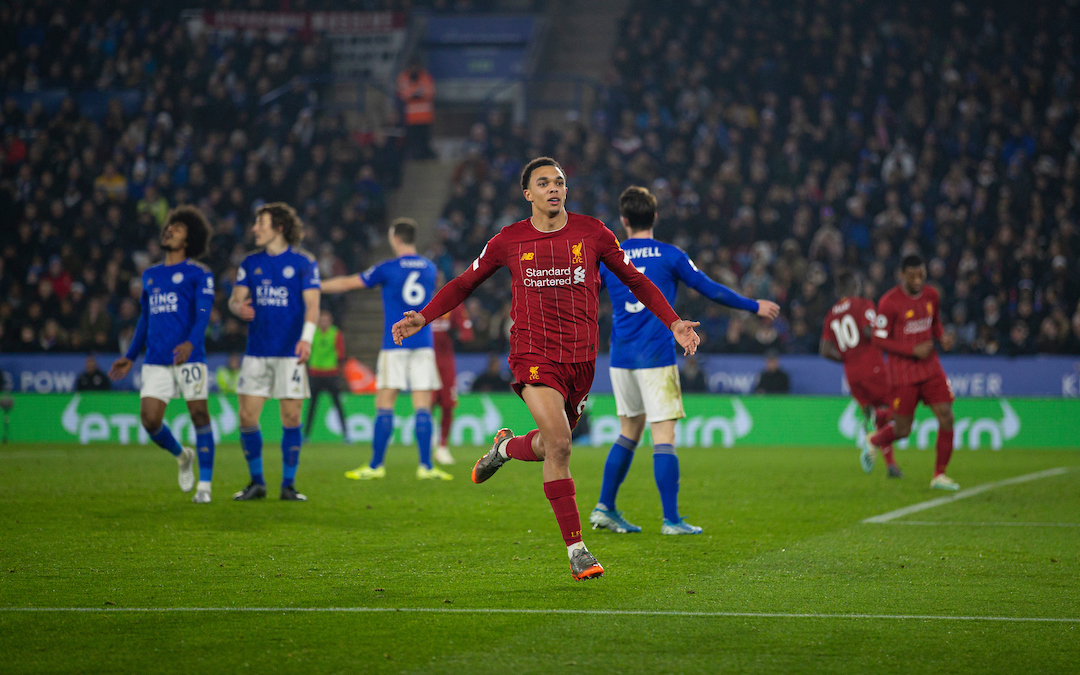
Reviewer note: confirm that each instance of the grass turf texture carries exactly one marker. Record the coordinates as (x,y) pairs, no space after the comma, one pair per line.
(106,527)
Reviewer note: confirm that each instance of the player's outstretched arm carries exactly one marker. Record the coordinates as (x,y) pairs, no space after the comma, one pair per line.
(686,336)
(240,303)
(719,293)
(408,326)
(311,319)
(349,282)
(460,287)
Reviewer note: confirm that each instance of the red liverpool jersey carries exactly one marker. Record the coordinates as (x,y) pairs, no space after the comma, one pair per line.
(903,322)
(457,319)
(555,282)
(848,325)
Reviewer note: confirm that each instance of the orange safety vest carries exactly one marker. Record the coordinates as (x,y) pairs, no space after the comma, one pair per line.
(418,96)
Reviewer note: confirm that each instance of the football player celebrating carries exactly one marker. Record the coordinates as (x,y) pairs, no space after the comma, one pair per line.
(554,261)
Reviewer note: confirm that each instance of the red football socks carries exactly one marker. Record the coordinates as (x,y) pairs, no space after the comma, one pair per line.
(445,424)
(520,447)
(884,436)
(944,451)
(561,495)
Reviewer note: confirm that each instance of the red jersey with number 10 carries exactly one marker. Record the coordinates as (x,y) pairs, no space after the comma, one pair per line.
(555,282)
(904,321)
(848,325)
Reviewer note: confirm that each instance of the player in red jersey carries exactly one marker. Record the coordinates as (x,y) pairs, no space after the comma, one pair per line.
(847,337)
(908,322)
(554,259)
(446,398)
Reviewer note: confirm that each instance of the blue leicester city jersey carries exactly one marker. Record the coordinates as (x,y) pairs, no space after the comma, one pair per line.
(176,300)
(277,284)
(638,338)
(407,284)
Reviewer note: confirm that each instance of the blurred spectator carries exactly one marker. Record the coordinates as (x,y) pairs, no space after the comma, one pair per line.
(692,377)
(416,91)
(773,380)
(492,379)
(92,379)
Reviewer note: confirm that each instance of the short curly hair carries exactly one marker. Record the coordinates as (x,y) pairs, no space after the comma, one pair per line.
(284,219)
(535,164)
(198,229)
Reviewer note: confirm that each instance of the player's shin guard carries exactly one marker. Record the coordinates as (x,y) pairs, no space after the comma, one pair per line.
(520,447)
(944,449)
(618,463)
(384,428)
(164,439)
(204,442)
(422,431)
(251,443)
(290,454)
(666,473)
(561,495)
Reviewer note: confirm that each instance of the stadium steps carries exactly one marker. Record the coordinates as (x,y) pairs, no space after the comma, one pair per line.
(424,190)
(581,42)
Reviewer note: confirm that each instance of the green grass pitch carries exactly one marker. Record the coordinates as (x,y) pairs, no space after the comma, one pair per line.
(106,528)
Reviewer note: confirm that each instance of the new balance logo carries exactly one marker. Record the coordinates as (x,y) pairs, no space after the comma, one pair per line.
(534,372)
(528,256)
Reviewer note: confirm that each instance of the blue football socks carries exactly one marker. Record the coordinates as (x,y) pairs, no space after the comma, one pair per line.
(251,443)
(384,428)
(290,454)
(164,439)
(618,463)
(204,442)
(666,472)
(422,431)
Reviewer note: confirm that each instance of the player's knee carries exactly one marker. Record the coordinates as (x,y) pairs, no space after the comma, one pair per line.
(945,420)
(557,449)
(151,421)
(200,418)
(290,418)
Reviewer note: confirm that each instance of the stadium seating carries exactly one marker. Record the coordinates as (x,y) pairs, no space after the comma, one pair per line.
(786,141)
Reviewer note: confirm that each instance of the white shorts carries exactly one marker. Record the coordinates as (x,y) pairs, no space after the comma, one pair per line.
(187,381)
(407,369)
(656,392)
(280,377)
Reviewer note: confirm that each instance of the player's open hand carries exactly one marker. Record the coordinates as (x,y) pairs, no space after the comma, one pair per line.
(182,353)
(768,309)
(409,325)
(303,352)
(686,337)
(923,349)
(120,368)
(246,311)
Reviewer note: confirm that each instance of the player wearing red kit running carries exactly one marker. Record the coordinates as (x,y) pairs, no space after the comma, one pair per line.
(847,337)
(908,322)
(446,398)
(554,259)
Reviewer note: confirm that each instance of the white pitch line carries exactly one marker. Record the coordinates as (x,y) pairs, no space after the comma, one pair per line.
(591,612)
(963,494)
(969,523)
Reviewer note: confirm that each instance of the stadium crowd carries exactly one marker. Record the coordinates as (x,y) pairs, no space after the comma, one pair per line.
(786,141)
(113,113)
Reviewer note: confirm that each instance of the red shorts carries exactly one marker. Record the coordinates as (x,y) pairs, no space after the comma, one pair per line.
(572,380)
(931,392)
(870,391)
